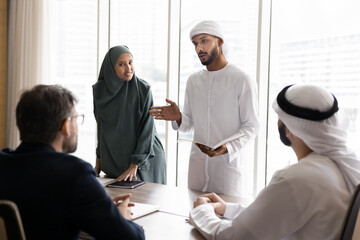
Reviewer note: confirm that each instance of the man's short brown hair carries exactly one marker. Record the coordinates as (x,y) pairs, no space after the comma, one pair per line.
(41,112)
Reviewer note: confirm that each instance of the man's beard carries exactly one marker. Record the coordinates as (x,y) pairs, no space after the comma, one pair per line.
(213,54)
(70,145)
(285,140)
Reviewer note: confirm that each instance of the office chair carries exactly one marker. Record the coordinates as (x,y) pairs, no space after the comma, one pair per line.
(351,226)
(11,227)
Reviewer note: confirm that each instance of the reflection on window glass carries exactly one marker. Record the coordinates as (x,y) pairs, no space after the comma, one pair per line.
(142,26)
(239,20)
(321,48)
(74,61)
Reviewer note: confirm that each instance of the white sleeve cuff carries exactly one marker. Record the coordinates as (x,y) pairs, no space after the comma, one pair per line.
(231,151)
(233,210)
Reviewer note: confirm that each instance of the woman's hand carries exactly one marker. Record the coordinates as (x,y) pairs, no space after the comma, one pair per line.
(130,173)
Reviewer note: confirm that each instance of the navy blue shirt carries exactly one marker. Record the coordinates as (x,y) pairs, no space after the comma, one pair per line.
(58,195)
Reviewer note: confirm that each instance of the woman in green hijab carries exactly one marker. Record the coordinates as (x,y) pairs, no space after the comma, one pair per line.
(128,145)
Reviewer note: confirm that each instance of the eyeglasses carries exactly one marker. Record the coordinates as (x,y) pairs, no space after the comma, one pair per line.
(79,118)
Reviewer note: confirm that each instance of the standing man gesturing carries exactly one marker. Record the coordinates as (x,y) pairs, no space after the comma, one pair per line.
(220,102)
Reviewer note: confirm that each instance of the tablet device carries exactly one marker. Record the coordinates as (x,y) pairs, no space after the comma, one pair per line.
(125,184)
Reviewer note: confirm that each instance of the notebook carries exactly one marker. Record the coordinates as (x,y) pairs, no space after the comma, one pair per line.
(125,184)
(215,146)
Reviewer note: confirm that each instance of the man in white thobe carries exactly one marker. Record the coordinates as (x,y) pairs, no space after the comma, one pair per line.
(220,103)
(307,200)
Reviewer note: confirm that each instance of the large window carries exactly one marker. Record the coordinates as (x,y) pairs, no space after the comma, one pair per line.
(142,26)
(86,29)
(311,42)
(316,42)
(74,61)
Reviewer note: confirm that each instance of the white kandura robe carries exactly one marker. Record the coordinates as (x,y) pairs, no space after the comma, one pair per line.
(219,104)
(305,201)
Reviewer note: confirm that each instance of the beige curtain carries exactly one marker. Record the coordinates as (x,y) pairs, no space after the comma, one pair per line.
(27,54)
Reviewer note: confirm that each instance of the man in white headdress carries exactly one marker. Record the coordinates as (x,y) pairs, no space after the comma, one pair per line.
(307,200)
(220,103)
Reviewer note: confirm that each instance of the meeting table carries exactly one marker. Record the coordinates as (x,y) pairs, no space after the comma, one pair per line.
(170,221)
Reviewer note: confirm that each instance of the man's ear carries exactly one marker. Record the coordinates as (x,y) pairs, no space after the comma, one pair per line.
(65,129)
(220,41)
(288,134)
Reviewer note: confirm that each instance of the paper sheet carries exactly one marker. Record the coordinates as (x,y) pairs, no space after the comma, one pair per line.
(141,209)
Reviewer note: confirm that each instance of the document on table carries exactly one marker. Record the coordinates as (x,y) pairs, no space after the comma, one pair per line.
(141,209)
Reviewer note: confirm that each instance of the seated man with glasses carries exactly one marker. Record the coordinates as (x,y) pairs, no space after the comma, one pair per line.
(58,194)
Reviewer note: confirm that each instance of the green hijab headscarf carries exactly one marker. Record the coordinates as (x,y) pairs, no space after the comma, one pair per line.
(107,73)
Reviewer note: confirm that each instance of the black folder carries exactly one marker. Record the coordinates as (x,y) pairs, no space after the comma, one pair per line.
(125,184)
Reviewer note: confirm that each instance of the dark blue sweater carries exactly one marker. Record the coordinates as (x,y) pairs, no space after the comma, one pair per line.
(58,195)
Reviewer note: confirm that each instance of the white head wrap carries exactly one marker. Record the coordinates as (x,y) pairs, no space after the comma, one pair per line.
(324,137)
(211,28)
